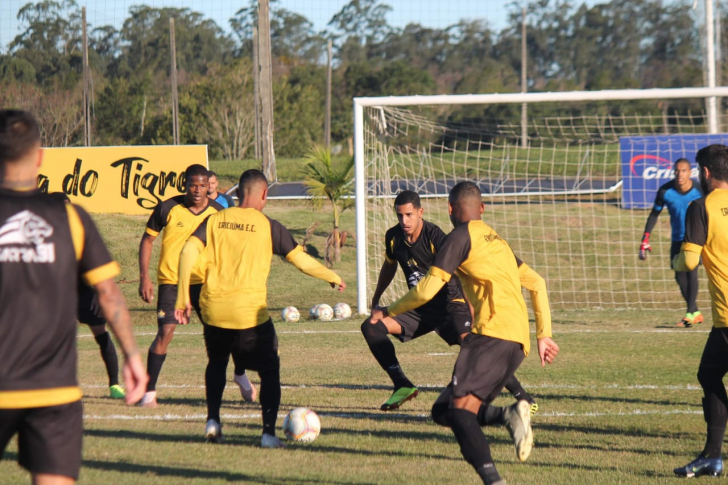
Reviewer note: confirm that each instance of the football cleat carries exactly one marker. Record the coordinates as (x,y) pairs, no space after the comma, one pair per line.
(701,466)
(686,321)
(213,431)
(534,407)
(694,318)
(399,397)
(518,422)
(270,441)
(247,389)
(116,392)
(149,400)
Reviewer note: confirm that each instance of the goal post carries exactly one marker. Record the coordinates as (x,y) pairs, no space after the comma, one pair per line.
(559,202)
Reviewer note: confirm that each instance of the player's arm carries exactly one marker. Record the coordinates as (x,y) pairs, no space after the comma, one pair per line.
(98,270)
(651,222)
(285,245)
(455,249)
(696,235)
(386,275)
(155,224)
(536,285)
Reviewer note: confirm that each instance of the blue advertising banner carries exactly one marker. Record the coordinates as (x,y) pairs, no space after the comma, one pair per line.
(647,163)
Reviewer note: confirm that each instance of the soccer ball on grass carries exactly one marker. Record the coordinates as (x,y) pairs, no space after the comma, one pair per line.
(302,425)
(290,314)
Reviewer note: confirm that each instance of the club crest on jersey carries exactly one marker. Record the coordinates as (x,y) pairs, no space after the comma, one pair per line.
(22,239)
(414,278)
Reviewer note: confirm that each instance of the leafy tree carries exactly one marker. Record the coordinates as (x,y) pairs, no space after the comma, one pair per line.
(326,182)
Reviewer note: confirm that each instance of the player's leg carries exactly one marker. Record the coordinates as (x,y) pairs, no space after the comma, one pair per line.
(688,290)
(376,335)
(483,367)
(712,369)
(693,296)
(111,361)
(247,389)
(166,325)
(218,344)
(49,443)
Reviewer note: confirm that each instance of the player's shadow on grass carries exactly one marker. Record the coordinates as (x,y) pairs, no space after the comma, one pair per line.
(167,471)
(144,436)
(364,387)
(660,402)
(637,433)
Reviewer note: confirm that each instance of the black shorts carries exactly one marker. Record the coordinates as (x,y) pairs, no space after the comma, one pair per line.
(167,298)
(484,366)
(89,310)
(49,438)
(251,348)
(449,325)
(715,354)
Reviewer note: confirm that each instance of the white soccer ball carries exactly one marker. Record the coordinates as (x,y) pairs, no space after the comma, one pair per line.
(342,310)
(302,425)
(312,312)
(324,312)
(290,314)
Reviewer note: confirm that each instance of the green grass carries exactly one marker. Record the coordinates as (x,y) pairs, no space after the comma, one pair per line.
(620,405)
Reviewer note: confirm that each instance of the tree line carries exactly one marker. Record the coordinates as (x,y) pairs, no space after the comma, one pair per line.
(570,45)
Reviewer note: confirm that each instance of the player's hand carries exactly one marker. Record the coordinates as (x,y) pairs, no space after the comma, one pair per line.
(645,246)
(135,378)
(341,287)
(183,316)
(146,290)
(378,313)
(547,350)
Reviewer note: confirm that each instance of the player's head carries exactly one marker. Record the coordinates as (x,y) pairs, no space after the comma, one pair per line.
(19,140)
(464,203)
(196,183)
(682,171)
(212,178)
(253,189)
(409,211)
(713,165)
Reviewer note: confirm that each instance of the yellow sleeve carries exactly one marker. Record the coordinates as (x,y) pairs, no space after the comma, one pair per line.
(688,258)
(536,285)
(187,259)
(306,264)
(425,291)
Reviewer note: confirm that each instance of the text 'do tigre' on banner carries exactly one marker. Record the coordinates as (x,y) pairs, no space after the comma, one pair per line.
(126,180)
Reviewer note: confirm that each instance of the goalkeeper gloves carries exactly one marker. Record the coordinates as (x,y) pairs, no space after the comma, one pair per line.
(645,246)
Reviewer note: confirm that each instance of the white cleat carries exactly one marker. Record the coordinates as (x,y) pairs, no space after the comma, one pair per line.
(247,389)
(518,422)
(270,441)
(213,431)
(149,400)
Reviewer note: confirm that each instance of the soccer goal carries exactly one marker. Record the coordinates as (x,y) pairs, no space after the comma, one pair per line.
(570,190)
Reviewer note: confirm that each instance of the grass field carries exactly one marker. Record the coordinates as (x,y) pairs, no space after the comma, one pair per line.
(620,405)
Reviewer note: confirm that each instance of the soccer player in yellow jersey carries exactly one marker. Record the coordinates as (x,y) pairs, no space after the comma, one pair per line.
(499,338)
(237,245)
(706,236)
(46,247)
(177,217)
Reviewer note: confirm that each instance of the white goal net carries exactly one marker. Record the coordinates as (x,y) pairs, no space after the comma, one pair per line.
(562,200)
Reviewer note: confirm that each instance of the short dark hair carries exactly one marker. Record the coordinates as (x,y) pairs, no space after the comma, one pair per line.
(407,197)
(195,170)
(463,191)
(19,134)
(211,173)
(681,160)
(248,179)
(715,159)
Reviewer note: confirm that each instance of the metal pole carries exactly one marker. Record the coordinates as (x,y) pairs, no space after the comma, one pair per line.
(173,72)
(360,202)
(327,119)
(524,80)
(710,43)
(256,93)
(266,90)
(86,84)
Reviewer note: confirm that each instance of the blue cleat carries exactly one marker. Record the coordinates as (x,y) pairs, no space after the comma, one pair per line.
(701,466)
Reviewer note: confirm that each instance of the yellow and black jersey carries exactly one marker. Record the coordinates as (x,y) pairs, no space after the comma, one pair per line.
(489,274)
(45,246)
(415,260)
(178,223)
(236,246)
(706,234)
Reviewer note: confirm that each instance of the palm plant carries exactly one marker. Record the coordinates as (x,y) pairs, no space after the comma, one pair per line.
(326,182)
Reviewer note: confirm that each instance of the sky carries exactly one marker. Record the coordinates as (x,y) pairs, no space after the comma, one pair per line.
(431,13)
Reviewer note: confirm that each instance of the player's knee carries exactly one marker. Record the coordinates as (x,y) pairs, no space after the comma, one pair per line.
(709,379)
(439,413)
(373,330)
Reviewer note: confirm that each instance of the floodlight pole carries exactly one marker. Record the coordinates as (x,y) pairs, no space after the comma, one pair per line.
(710,44)
(524,80)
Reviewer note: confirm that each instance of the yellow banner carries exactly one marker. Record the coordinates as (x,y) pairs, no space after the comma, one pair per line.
(126,180)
